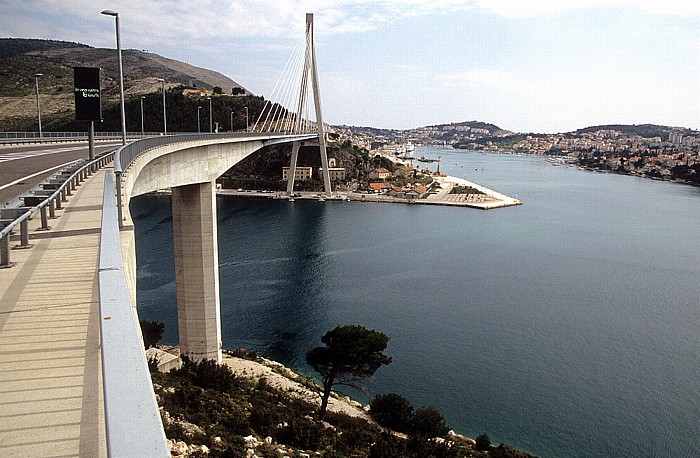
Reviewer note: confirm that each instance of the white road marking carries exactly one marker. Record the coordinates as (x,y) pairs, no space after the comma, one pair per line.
(5,157)
(35,174)
(14,155)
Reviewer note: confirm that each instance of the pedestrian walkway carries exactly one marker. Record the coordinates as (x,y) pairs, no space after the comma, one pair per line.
(51,401)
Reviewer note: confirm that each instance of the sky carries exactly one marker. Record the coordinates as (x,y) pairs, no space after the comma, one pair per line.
(525,65)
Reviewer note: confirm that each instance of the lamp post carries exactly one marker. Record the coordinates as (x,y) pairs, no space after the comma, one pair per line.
(232,121)
(121,73)
(246,119)
(38,107)
(165,119)
(199,130)
(211,124)
(142,122)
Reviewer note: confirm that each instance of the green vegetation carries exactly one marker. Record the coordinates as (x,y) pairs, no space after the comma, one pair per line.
(151,331)
(351,354)
(263,169)
(392,411)
(20,59)
(181,110)
(204,403)
(483,442)
(643,130)
(396,412)
(464,190)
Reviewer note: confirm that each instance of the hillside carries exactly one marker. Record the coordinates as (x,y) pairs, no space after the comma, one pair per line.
(642,130)
(20,59)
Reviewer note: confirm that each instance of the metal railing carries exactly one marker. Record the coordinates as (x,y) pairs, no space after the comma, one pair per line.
(34,137)
(53,201)
(127,153)
(132,419)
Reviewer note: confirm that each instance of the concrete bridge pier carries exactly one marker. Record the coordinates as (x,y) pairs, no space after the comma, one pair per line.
(197,270)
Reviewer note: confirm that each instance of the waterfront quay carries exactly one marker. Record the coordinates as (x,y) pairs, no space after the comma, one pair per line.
(488,200)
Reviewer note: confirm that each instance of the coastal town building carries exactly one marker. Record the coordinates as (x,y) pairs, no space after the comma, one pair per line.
(300,173)
(379,174)
(405,172)
(196,92)
(336,173)
(379,187)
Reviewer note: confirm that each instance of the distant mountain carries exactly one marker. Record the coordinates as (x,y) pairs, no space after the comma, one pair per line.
(466,131)
(467,126)
(21,58)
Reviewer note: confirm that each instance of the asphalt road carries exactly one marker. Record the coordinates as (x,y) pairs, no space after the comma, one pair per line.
(18,162)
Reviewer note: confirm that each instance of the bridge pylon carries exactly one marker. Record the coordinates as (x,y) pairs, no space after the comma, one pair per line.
(310,71)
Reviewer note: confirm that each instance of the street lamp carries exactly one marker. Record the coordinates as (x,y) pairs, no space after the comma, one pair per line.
(165,121)
(199,130)
(246,119)
(211,124)
(232,121)
(121,73)
(38,107)
(142,97)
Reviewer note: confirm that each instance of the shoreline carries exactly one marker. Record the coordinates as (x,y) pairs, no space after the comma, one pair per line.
(494,199)
(279,376)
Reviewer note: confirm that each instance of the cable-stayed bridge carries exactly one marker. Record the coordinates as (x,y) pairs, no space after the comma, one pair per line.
(68,316)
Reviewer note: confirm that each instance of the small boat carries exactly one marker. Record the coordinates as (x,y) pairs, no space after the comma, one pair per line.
(291,199)
(425,159)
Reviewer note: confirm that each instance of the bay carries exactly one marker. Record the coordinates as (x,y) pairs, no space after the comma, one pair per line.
(568,326)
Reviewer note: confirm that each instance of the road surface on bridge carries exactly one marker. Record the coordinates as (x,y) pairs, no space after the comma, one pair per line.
(18,162)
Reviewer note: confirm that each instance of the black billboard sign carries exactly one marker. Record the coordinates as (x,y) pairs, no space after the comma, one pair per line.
(88,106)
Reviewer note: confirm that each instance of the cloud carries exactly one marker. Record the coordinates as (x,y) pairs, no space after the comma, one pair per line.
(164,20)
(477,78)
(534,8)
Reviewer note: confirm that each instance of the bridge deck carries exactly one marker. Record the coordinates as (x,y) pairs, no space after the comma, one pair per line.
(50,375)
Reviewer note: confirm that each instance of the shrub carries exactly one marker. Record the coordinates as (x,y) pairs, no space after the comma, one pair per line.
(353,434)
(152,332)
(429,422)
(483,442)
(421,447)
(388,446)
(392,411)
(207,374)
(301,433)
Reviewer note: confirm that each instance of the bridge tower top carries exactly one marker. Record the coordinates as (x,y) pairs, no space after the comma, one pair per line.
(310,71)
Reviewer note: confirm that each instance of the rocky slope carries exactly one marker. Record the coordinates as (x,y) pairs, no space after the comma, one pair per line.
(20,59)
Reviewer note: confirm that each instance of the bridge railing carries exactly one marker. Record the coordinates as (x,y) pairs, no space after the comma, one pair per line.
(10,138)
(48,205)
(132,419)
(127,153)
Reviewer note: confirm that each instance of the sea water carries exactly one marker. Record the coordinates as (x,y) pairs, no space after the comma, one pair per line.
(568,326)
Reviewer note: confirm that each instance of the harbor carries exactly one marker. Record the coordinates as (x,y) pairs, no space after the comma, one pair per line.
(489,199)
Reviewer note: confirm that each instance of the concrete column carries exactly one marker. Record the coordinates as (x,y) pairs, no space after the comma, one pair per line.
(197,271)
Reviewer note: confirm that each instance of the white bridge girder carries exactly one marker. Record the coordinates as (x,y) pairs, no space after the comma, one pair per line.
(190,169)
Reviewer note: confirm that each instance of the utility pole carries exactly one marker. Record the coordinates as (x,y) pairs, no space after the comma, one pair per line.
(121,72)
(165,117)
(38,106)
(142,122)
(211,124)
